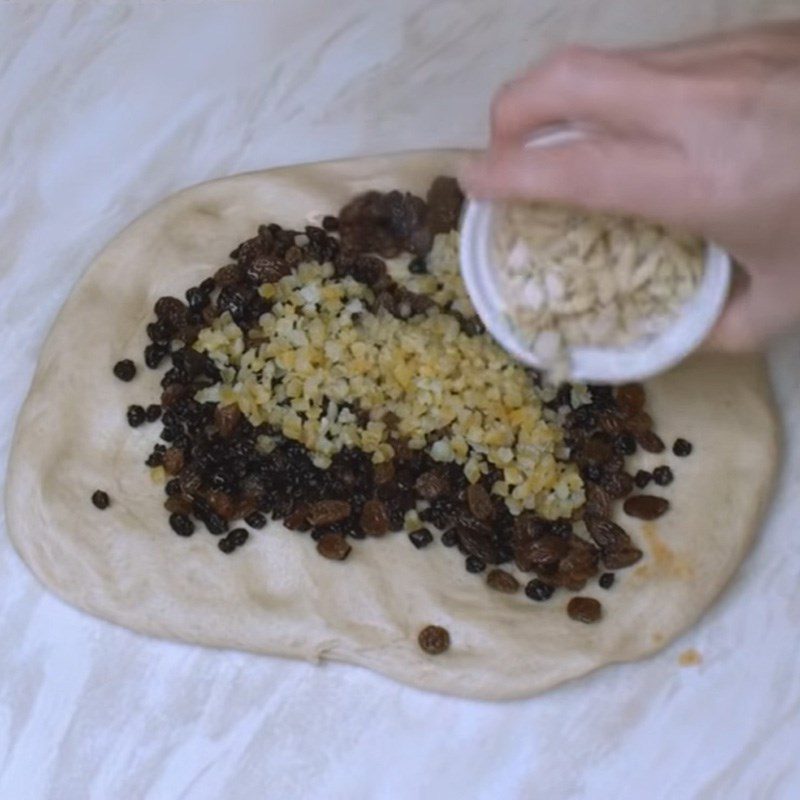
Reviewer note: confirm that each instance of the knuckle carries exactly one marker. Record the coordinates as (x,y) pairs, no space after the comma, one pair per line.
(576,62)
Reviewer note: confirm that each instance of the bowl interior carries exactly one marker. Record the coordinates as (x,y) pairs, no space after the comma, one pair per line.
(637,361)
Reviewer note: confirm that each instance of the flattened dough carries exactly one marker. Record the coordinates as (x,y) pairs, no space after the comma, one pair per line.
(277,595)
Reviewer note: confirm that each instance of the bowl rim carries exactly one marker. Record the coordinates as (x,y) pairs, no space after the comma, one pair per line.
(637,361)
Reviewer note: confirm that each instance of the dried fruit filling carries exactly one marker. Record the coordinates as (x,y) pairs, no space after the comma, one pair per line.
(337,378)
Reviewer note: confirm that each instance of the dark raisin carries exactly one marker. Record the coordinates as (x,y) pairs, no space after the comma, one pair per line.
(606,580)
(450,538)
(181,524)
(256,520)
(502,581)
(663,476)
(226,545)
(179,504)
(170,310)
(100,499)
(214,523)
(650,442)
(539,590)
(136,416)
(330,223)
(420,538)
(434,640)
(592,472)
(153,412)
(125,370)
(682,448)
(333,546)
(474,564)
(617,484)
(584,609)
(238,536)
(154,354)
(155,459)
(625,444)
(173,487)
(196,298)
(642,478)
(645,506)
(418,266)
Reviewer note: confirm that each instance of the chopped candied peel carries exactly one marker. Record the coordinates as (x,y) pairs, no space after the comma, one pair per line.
(322,355)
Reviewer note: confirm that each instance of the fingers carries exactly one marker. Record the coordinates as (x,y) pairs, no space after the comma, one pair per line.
(580,85)
(627,176)
(756,311)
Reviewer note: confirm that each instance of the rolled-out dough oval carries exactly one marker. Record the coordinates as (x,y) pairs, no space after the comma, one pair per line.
(276,595)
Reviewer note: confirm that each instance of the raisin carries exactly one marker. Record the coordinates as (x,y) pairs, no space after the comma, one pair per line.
(584,609)
(418,266)
(330,223)
(227,418)
(228,275)
(502,581)
(420,538)
(136,416)
(374,519)
(542,554)
(125,370)
(333,546)
(622,557)
(663,476)
(256,520)
(327,512)
(178,504)
(642,478)
(606,580)
(450,538)
(645,506)
(607,533)
(173,460)
(152,412)
(650,442)
(226,545)
(476,539)
(625,444)
(434,640)
(475,564)
(431,485)
(617,484)
(181,524)
(238,536)
(154,354)
(682,448)
(384,473)
(597,501)
(173,487)
(630,398)
(196,299)
(479,502)
(539,590)
(100,500)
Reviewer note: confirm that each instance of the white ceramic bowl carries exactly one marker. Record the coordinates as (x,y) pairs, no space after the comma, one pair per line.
(635,362)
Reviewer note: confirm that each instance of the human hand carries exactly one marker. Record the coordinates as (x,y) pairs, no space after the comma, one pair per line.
(703,135)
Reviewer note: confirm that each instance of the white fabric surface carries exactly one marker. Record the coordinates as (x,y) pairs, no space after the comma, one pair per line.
(105,109)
